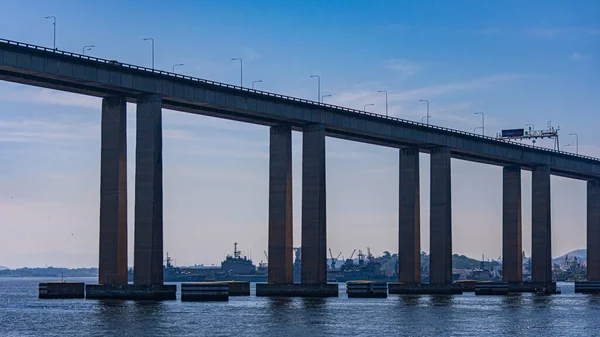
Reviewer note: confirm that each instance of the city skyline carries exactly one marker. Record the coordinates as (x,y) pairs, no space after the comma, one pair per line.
(216,171)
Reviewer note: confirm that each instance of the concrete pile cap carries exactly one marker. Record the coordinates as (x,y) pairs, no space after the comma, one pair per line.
(206,283)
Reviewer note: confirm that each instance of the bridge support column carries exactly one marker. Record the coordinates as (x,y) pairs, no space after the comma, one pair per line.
(541,255)
(314,217)
(280,206)
(512,239)
(314,231)
(440,265)
(112,268)
(593,231)
(409,250)
(148,245)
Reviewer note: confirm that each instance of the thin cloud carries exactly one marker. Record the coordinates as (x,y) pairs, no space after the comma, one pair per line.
(555,32)
(406,68)
(579,56)
(47,96)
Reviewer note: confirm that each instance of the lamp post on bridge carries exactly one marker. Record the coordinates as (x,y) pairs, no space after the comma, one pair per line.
(152,40)
(54,25)
(482,122)
(323,98)
(576,141)
(566,145)
(318,87)
(257,81)
(428,115)
(177,65)
(241,70)
(87,48)
(366,105)
(386,101)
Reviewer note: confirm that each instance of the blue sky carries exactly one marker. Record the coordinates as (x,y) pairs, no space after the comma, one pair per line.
(519,62)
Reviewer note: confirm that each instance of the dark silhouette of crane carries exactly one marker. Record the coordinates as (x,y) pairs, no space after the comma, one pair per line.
(334,260)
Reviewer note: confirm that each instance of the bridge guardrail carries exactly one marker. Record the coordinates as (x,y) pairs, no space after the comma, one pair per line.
(266,93)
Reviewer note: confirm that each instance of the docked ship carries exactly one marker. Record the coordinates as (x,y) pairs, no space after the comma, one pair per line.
(233,268)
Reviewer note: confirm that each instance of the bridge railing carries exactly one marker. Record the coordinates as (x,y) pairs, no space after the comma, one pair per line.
(295,99)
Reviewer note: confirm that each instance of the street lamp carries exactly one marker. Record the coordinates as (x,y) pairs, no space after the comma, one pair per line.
(428,115)
(176,65)
(257,81)
(386,101)
(323,97)
(563,147)
(318,86)
(366,105)
(152,40)
(576,141)
(482,122)
(87,48)
(241,70)
(53,24)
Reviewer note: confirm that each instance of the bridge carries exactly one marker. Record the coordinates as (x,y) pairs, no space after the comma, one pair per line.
(152,90)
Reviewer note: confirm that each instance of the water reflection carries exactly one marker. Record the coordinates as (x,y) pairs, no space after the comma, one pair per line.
(441,300)
(410,300)
(314,303)
(512,301)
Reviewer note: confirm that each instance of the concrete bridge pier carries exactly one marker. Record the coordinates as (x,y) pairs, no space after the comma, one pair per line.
(112,267)
(593,230)
(409,256)
(541,255)
(281,269)
(409,218)
(592,283)
(440,223)
(512,237)
(314,217)
(112,264)
(148,246)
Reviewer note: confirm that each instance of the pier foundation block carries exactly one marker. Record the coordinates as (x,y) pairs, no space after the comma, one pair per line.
(205,291)
(61,290)
(424,289)
(297,290)
(130,292)
(366,289)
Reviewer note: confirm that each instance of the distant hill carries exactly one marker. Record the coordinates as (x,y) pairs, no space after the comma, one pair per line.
(460,262)
(3,268)
(581,255)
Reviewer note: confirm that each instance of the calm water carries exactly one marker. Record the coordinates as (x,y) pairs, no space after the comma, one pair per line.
(569,314)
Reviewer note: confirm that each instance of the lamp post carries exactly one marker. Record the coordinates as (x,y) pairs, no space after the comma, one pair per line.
(257,81)
(323,98)
(428,115)
(87,48)
(482,122)
(241,70)
(386,101)
(576,141)
(366,105)
(563,147)
(53,24)
(177,65)
(152,40)
(318,86)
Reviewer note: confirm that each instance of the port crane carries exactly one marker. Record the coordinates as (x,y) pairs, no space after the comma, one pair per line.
(333,260)
(349,262)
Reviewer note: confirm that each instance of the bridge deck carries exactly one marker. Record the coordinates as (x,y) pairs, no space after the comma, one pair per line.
(44,67)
